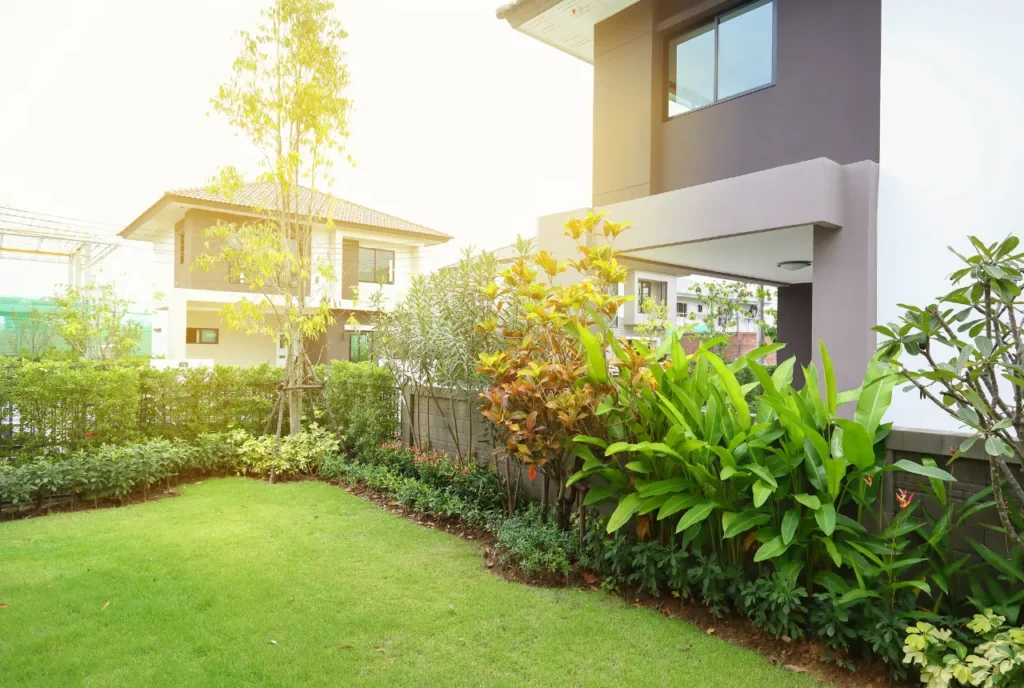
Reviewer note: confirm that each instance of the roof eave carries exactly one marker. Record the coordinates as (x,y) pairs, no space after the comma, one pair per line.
(428,238)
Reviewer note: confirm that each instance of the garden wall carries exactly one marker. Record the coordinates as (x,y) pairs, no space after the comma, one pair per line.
(971,469)
(972,475)
(441,417)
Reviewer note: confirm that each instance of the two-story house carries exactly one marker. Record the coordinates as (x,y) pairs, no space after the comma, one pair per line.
(369,251)
(831,148)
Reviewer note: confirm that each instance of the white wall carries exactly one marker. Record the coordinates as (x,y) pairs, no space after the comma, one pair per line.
(952,153)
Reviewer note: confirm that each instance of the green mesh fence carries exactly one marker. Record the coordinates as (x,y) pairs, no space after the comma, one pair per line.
(24,330)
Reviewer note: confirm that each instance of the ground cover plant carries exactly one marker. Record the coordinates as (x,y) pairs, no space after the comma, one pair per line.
(240,582)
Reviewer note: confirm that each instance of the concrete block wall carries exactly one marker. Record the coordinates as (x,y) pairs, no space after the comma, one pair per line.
(447,417)
(970,470)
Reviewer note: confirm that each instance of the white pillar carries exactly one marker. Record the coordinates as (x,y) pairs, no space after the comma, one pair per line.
(177,313)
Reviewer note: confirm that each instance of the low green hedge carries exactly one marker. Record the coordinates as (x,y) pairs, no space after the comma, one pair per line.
(117,471)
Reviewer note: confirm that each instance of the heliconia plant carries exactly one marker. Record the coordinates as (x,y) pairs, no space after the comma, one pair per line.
(682,453)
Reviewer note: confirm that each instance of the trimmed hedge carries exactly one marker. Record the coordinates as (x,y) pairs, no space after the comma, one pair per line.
(65,407)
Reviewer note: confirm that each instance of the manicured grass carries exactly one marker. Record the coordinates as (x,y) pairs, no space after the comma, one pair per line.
(199,586)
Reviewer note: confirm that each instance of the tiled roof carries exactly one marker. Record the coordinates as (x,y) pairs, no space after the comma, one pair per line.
(264,195)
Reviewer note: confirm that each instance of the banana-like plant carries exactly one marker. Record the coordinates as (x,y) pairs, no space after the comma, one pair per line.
(789,484)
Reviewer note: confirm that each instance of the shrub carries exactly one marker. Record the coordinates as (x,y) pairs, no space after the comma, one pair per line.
(536,547)
(65,406)
(997,658)
(364,400)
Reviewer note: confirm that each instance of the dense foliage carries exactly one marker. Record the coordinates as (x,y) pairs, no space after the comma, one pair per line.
(992,656)
(113,471)
(66,406)
(426,481)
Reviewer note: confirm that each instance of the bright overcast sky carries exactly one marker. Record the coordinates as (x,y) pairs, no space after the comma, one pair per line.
(460,123)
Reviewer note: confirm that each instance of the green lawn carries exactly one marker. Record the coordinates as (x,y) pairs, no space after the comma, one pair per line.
(199,587)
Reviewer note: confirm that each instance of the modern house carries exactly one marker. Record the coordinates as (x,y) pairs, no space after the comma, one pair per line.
(831,148)
(368,249)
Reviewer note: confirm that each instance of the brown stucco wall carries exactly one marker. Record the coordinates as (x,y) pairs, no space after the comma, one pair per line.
(195,222)
(825,101)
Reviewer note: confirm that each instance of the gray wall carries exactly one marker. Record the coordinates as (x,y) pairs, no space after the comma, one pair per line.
(794,323)
(825,101)
(446,419)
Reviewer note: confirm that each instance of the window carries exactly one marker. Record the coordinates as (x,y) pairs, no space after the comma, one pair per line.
(359,347)
(700,308)
(180,237)
(202,335)
(651,289)
(681,309)
(731,55)
(376,265)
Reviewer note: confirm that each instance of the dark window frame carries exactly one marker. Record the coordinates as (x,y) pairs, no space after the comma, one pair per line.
(353,337)
(179,245)
(650,290)
(685,309)
(392,267)
(194,335)
(716,20)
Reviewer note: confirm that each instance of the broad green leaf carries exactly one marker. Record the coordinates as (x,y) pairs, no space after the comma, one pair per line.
(663,487)
(826,518)
(830,380)
(835,471)
(677,503)
(587,439)
(763,473)
(783,375)
(616,447)
(598,494)
(732,388)
(875,396)
(858,594)
(628,506)
(857,448)
(809,501)
(998,562)
(597,368)
(742,522)
(771,549)
(790,522)
(918,469)
(695,515)
(830,547)
(938,486)
(761,493)
(639,467)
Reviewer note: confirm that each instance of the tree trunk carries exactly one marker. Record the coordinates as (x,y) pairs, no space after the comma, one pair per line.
(294,377)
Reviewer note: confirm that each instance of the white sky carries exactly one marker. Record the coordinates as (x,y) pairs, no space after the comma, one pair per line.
(460,123)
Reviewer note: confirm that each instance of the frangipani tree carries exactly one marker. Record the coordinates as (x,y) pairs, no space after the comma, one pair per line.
(286,97)
(967,357)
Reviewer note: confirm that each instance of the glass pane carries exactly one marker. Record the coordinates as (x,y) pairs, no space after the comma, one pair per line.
(385,267)
(366,265)
(208,336)
(745,49)
(691,70)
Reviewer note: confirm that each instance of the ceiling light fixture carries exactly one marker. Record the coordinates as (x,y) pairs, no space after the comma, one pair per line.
(794,265)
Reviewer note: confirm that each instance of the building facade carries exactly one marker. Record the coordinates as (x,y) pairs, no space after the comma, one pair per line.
(368,251)
(831,148)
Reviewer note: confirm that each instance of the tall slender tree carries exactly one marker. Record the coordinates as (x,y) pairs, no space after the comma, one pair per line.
(287,96)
